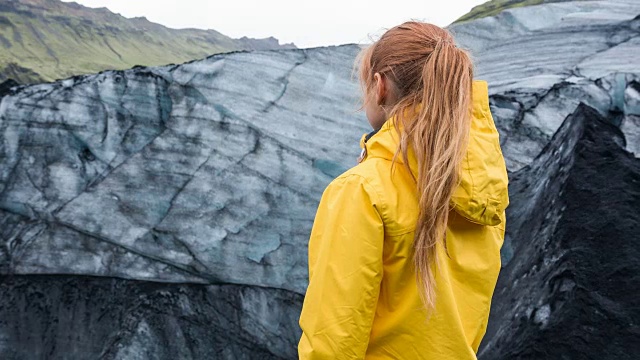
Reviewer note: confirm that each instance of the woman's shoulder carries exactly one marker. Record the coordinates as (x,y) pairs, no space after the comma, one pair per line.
(365,177)
(367,172)
(391,191)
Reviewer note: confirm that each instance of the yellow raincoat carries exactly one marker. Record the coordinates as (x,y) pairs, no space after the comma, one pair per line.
(362,300)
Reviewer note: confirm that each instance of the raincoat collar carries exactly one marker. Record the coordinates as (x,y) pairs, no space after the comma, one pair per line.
(482,195)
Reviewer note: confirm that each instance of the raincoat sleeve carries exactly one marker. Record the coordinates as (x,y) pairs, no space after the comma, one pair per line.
(345,269)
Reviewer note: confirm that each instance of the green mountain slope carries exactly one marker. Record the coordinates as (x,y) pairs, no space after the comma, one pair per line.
(494,7)
(44,40)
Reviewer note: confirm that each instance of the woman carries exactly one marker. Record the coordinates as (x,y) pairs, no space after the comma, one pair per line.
(404,252)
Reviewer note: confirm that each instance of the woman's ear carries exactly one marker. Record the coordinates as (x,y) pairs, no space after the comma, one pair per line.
(381,88)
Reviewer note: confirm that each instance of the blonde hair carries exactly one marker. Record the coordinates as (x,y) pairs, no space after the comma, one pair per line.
(433,80)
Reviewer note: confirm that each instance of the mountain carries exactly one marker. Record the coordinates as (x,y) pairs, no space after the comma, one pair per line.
(44,40)
(494,7)
(165,211)
(210,173)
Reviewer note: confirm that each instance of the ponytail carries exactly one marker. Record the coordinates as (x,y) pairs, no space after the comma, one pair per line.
(438,136)
(434,79)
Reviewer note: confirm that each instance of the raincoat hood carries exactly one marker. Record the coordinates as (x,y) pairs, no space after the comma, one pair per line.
(481,197)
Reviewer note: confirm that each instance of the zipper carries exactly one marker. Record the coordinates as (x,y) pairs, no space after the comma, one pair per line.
(363,153)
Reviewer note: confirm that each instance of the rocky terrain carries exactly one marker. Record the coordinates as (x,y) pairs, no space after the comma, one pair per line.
(45,40)
(569,290)
(541,61)
(82,317)
(163,212)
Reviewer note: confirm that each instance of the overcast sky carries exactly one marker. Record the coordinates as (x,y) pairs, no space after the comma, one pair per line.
(305,23)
